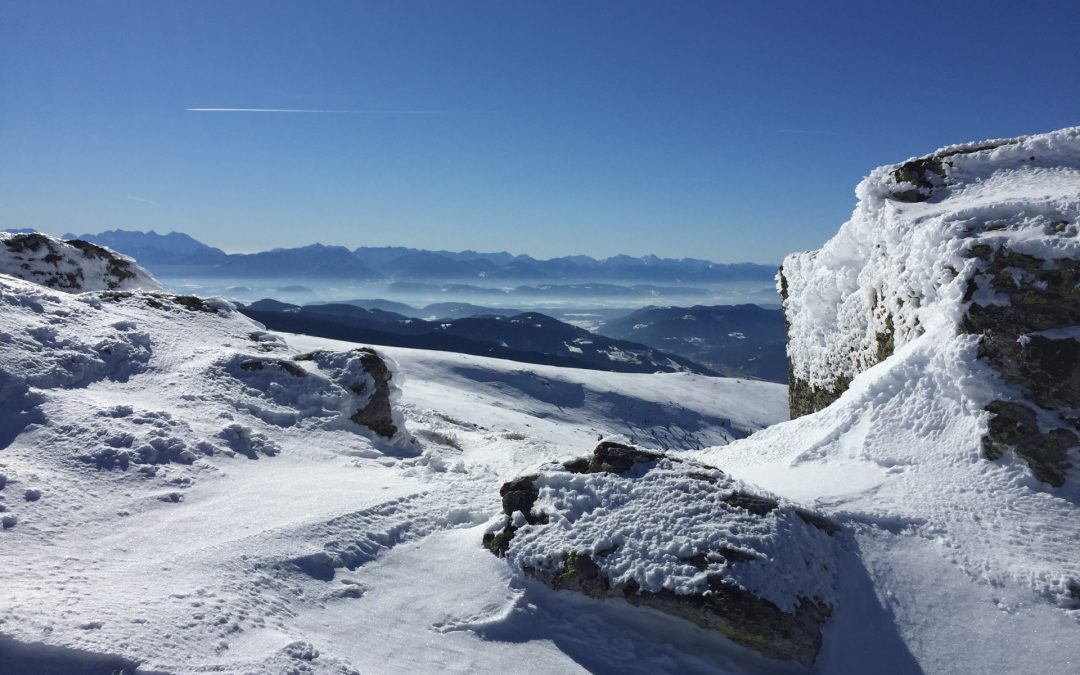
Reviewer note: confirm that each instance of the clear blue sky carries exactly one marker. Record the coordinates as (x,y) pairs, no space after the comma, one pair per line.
(729,131)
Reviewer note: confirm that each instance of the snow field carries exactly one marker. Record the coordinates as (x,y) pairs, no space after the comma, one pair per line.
(195,513)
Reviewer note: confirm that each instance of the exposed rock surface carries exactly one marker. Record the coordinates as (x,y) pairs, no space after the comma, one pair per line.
(368,376)
(677,536)
(980,237)
(377,413)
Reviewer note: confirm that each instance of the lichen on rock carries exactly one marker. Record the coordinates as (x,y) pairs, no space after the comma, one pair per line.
(1014,426)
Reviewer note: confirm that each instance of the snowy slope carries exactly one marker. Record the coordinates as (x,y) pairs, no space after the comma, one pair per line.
(976,558)
(972,559)
(173,507)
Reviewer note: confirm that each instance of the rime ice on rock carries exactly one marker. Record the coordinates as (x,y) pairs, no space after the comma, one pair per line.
(982,239)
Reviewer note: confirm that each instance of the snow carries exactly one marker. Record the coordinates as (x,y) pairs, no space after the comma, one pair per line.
(562,411)
(910,262)
(657,517)
(105,561)
(59,264)
(902,446)
(1063,333)
(616,354)
(975,561)
(182,495)
(195,514)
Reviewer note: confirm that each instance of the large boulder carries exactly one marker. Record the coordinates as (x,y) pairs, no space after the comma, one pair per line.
(680,537)
(979,238)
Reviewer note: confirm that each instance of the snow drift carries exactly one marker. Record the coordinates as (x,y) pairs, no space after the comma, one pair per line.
(181,489)
(186,490)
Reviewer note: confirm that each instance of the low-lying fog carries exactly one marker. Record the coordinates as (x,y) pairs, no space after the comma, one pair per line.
(585,303)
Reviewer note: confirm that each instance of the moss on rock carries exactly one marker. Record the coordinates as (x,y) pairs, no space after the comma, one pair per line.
(580,573)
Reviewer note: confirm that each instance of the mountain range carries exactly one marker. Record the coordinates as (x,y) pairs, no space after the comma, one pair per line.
(734,340)
(529,337)
(178,253)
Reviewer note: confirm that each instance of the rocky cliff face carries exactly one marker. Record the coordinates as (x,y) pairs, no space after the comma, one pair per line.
(982,238)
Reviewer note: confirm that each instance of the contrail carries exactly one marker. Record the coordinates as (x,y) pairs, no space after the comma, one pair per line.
(812,132)
(140,199)
(332,112)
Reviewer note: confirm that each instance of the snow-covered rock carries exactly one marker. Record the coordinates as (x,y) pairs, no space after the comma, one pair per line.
(678,536)
(933,352)
(980,239)
(191,493)
(934,332)
(72,266)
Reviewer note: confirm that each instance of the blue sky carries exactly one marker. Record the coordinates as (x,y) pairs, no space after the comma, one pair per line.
(728,131)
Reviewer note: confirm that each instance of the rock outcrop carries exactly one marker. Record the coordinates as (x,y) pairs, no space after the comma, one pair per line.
(73,266)
(367,375)
(677,536)
(982,238)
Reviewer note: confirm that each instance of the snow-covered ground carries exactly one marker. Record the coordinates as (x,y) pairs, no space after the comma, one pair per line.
(977,562)
(946,548)
(141,544)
